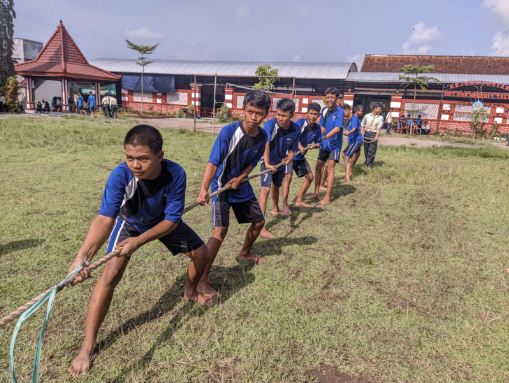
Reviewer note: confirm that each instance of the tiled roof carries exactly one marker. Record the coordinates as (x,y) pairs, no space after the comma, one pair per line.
(489,65)
(61,57)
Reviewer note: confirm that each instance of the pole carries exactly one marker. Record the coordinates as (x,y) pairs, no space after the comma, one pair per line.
(293,88)
(194,104)
(214,106)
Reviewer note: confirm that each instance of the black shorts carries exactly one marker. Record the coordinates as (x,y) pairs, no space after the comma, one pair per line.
(272,178)
(245,212)
(301,167)
(333,155)
(352,148)
(181,240)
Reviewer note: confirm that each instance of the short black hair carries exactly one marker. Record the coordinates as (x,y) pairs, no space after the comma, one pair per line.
(346,106)
(332,90)
(376,105)
(258,99)
(145,135)
(358,107)
(315,106)
(419,116)
(286,105)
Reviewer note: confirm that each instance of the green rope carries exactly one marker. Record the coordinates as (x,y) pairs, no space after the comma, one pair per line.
(50,298)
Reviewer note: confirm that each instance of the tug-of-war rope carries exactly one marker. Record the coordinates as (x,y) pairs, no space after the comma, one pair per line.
(31,307)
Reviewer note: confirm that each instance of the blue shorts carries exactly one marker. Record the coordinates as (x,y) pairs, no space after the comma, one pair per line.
(272,178)
(333,155)
(181,240)
(352,148)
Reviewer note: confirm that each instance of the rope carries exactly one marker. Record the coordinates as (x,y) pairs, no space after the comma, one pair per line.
(25,311)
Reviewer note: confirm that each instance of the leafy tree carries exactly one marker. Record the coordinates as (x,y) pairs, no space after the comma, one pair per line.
(413,75)
(142,61)
(267,76)
(479,117)
(11,91)
(7,16)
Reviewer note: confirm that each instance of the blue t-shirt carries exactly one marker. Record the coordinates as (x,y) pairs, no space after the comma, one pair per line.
(309,134)
(281,140)
(81,101)
(331,120)
(356,136)
(418,121)
(145,203)
(91,101)
(233,151)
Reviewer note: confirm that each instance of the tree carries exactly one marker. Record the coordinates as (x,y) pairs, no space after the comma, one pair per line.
(142,61)
(7,16)
(267,76)
(413,75)
(479,116)
(11,91)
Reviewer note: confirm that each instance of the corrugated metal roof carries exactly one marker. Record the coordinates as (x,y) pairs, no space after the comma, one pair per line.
(299,70)
(448,78)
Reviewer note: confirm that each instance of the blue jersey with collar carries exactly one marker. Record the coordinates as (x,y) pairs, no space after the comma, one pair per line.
(331,119)
(309,134)
(281,140)
(356,136)
(91,101)
(233,151)
(145,203)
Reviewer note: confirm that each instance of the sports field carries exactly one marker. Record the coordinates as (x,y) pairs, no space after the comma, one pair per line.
(401,279)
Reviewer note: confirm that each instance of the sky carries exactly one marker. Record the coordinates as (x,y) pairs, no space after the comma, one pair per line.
(272,31)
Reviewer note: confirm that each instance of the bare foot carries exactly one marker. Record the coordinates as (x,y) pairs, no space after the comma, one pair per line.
(206,289)
(275,213)
(266,234)
(315,196)
(301,203)
(323,187)
(81,364)
(325,201)
(257,259)
(286,211)
(199,298)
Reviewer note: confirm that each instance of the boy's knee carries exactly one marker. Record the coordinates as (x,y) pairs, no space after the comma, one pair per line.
(258,225)
(310,177)
(219,233)
(112,276)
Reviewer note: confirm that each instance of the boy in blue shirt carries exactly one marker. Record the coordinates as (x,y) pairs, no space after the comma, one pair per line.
(331,122)
(283,137)
(91,103)
(236,152)
(143,201)
(310,138)
(353,150)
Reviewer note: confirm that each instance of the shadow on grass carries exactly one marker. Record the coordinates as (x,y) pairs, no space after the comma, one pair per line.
(342,191)
(275,246)
(19,245)
(231,279)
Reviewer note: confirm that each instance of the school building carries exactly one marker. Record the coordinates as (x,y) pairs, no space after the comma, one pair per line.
(461,83)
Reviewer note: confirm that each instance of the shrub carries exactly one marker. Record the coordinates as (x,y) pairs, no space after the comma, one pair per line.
(11,94)
(223,114)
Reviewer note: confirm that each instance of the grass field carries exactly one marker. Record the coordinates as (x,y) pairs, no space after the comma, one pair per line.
(401,279)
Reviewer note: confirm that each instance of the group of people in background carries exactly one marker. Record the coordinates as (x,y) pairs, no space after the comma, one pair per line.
(80,104)
(411,125)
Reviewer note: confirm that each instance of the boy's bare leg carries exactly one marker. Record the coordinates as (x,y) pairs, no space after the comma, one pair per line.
(318,178)
(97,309)
(264,194)
(325,174)
(275,200)
(348,169)
(353,161)
(195,270)
(286,191)
(213,245)
(251,235)
(308,180)
(330,182)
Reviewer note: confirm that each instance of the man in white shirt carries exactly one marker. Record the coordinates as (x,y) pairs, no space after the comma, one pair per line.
(388,122)
(371,125)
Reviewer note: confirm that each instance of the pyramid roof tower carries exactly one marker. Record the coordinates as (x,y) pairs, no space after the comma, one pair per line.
(61,57)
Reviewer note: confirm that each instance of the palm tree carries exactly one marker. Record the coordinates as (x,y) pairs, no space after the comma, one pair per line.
(413,74)
(142,61)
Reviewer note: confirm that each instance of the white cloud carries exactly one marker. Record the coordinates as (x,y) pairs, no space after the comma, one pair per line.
(500,41)
(143,33)
(242,11)
(421,39)
(498,7)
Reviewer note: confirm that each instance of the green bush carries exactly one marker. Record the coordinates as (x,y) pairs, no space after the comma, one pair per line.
(11,94)
(223,114)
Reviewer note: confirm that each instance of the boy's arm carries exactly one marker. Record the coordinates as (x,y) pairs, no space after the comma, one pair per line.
(97,234)
(131,244)
(208,175)
(378,127)
(266,158)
